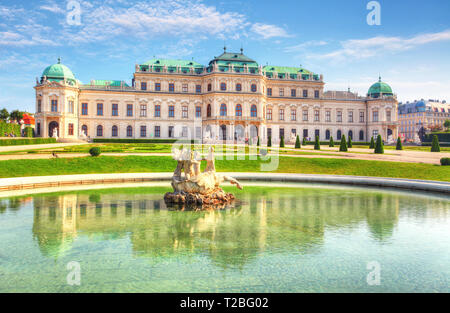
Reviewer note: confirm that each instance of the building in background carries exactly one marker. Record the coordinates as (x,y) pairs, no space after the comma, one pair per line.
(416,118)
(233,98)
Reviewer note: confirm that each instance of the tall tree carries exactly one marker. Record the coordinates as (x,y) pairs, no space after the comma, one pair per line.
(16,115)
(4,114)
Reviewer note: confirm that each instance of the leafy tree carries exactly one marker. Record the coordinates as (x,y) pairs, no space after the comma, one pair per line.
(435,144)
(331,142)
(269,141)
(343,146)
(297,143)
(447,124)
(282,142)
(399,144)
(317,143)
(372,143)
(379,148)
(350,144)
(16,115)
(4,114)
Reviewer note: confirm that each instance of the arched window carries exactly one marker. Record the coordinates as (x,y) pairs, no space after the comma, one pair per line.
(99,131)
(114,131)
(129,131)
(208,110)
(253,88)
(339,135)
(361,135)
(238,110)
(223,86)
(327,134)
(238,87)
(350,134)
(223,109)
(253,111)
(84,129)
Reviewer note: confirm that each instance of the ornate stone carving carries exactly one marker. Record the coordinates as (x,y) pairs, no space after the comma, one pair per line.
(196,188)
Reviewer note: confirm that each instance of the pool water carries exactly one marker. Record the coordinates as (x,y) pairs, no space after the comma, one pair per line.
(305,238)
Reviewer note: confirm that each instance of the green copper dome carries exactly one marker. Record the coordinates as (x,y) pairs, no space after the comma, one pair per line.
(58,72)
(380,89)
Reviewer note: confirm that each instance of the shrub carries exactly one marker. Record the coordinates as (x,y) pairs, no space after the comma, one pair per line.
(305,142)
(317,143)
(350,145)
(372,143)
(297,143)
(445,161)
(282,142)
(269,141)
(7,129)
(95,151)
(435,145)
(258,143)
(135,140)
(343,146)
(29,132)
(379,148)
(26,141)
(331,142)
(399,144)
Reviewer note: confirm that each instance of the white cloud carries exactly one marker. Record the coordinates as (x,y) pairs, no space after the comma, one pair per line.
(312,43)
(267,31)
(54,8)
(366,48)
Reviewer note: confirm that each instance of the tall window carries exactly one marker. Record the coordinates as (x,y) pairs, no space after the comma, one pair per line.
(388,116)
(171,87)
(238,87)
(269,132)
(171,111)
(198,112)
(114,131)
(129,131)
(157,86)
(99,109)
(70,107)
(143,110)
(143,86)
(99,131)
(305,133)
(305,115)
(223,86)
(238,110)
(269,91)
(208,110)
(157,110)
(209,87)
(54,105)
(84,109)
(171,134)
(253,88)
(253,111)
(129,110)
(184,111)
(39,106)
(184,87)
(84,129)
(361,135)
(339,135)
(38,129)
(305,93)
(327,134)
(339,116)
(281,115)
(375,133)
(375,116)
(223,109)
(198,88)
(316,115)
(293,114)
(143,131)
(350,116)
(361,117)
(327,116)
(157,131)
(316,94)
(70,132)
(115,109)
(281,133)
(269,114)
(350,134)
(293,93)
(281,90)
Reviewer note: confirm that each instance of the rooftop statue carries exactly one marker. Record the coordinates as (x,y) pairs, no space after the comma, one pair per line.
(195,187)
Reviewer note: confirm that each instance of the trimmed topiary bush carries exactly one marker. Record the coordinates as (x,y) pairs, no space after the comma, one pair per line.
(372,143)
(297,143)
(343,146)
(282,142)
(269,141)
(445,161)
(435,145)
(95,151)
(258,143)
(29,132)
(399,144)
(331,142)
(350,144)
(305,142)
(379,148)
(317,143)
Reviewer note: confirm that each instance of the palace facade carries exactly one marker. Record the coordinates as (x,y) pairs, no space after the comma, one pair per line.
(233,98)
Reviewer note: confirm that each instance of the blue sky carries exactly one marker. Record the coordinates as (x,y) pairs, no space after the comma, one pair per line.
(410,48)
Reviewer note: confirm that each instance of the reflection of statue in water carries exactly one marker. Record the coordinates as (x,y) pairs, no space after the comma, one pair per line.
(196,187)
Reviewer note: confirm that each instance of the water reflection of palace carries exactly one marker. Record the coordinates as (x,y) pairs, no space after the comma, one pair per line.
(292,222)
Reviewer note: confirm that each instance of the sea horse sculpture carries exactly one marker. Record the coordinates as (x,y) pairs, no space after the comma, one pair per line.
(197,187)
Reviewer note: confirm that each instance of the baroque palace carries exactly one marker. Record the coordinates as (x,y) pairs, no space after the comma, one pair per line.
(232,99)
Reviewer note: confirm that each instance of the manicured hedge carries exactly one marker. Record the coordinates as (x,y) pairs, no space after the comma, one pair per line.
(26,141)
(136,140)
(442,137)
(7,128)
(445,161)
(327,143)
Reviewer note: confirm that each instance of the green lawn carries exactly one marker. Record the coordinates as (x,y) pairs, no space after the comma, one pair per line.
(137,164)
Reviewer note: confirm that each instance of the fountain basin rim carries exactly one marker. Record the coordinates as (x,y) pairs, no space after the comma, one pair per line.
(24,183)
